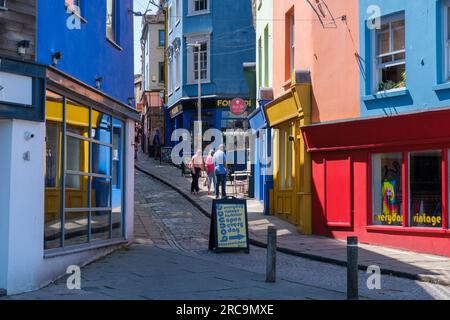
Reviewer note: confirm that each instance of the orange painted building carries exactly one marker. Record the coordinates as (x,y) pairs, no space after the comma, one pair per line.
(315,79)
(327,51)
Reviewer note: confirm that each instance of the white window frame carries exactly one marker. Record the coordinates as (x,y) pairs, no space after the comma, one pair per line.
(292,42)
(376,67)
(193,12)
(190,65)
(3,5)
(177,61)
(446,41)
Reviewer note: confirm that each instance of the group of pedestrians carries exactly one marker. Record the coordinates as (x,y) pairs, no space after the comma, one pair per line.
(215,168)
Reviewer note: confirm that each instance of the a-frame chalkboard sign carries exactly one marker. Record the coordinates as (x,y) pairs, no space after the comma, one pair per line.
(229,226)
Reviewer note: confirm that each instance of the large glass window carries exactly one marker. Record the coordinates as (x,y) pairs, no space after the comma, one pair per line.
(53,187)
(84,162)
(387,189)
(425,184)
(390,56)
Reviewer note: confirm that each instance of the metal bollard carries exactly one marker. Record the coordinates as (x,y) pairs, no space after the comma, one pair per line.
(271,274)
(352,268)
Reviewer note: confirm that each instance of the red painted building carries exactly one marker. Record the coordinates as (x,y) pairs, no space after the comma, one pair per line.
(383,179)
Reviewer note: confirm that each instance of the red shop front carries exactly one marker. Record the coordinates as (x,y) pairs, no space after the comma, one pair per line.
(383,179)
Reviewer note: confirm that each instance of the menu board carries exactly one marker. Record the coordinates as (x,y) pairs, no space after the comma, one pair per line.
(229,225)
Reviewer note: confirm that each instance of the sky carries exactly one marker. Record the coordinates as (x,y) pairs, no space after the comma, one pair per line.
(139,5)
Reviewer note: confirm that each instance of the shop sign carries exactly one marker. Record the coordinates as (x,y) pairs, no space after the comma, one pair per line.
(227,103)
(229,226)
(238,106)
(16,89)
(176,110)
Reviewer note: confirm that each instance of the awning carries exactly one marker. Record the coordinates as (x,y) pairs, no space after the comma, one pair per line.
(426,127)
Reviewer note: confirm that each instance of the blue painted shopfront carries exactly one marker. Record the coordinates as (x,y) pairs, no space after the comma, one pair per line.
(262,153)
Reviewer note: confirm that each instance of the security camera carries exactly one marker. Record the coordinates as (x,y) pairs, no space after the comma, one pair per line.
(29,135)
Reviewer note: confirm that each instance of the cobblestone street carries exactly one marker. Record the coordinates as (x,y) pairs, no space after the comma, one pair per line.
(170,260)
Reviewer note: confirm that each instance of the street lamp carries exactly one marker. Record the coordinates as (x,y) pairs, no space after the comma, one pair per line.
(199,138)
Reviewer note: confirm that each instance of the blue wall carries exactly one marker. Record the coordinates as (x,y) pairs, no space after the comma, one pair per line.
(230,24)
(424,59)
(86,53)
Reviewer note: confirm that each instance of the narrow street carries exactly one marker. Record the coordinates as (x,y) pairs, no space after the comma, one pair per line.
(170,260)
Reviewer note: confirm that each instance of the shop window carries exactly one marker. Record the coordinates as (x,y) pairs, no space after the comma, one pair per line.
(390,54)
(53,149)
(387,189)
(425,184)
(90,177)
(282,158)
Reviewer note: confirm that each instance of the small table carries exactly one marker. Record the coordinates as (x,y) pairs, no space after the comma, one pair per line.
(241,183)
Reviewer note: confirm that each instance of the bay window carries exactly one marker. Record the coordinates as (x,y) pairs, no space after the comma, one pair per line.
(390,54)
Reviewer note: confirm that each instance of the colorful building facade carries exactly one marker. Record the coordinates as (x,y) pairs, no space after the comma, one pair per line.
(153,75)
(225,44)
(66,133)
(384,177)
(315,79)
(262,153)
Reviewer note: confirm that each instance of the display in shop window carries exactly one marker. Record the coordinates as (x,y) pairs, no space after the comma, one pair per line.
(426,189)
(387,192)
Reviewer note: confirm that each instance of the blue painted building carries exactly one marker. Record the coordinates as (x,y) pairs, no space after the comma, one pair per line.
(66,133)
(227,40)
(411,72)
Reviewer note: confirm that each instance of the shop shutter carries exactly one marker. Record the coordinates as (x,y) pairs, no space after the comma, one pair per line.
(338,205)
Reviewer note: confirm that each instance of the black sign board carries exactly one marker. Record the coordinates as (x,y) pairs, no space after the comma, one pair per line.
(229,226)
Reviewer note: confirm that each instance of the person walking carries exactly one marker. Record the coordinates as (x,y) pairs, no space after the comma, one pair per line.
(220,162)
(197,167)
(211,175)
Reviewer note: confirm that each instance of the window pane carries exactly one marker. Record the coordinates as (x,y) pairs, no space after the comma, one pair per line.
(76,191)
(117,169)
(101,159)
(77,118)
(383,42)
(100,225)
(399,37)
(117,230)
(53,140)
(101,127)
(426,189)
(101,193)
(387,189)
(110,19)
(393,77)
(75,228)
(77,154)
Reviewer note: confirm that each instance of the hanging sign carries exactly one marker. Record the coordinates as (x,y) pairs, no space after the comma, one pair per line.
(238,106)
(229,226)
